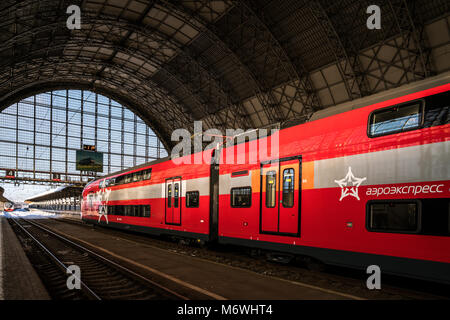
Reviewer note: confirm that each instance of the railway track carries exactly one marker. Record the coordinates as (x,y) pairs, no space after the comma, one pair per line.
(100,278)
(336,278)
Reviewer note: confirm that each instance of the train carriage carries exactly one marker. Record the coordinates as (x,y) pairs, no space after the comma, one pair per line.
(370,186)
(157,198)
(8,207)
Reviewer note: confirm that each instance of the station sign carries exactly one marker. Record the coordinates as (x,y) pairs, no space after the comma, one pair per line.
(89,161)
(11,174)
(88,147)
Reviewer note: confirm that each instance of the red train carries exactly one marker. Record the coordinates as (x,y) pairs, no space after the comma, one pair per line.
(365,187)
(8,207)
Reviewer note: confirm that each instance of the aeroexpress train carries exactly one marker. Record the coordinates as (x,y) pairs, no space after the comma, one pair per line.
(8,207)
(369,186)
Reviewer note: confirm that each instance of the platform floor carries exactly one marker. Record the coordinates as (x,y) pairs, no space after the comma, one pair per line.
(220,280)
(18,279)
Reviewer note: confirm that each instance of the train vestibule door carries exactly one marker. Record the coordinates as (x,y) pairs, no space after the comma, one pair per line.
(176,201)
(269,194)
(173,201)
(280,196)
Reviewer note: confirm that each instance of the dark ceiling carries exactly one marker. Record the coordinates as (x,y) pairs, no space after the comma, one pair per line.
(232,64)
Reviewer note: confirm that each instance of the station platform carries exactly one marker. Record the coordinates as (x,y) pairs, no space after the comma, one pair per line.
(75,214)
(219,281)
(18,279)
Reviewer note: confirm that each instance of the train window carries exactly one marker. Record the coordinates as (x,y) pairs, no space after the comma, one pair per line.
(271,188)
(147,210)
(396,119)
(110,182)
(147,174)
(435,218)
(288,188)
(120,180)
(137,176)
(437,109)
(102,184)
(393,216)
(192,199)
(169,195)
(176,195)
(90,201)
(239,173)
(142,211)
(241,197)
(128,178)
(128,210)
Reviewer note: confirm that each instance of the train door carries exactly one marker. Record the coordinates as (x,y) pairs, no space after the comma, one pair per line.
(280,197)
(289,196)
(169,193)
(176,209)
(173,201)
(269,194)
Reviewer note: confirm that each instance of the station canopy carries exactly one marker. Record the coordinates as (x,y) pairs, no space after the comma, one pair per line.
(232,64)
(58,193)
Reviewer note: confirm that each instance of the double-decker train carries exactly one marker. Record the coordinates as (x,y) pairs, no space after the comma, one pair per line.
(8,207)
(369,186)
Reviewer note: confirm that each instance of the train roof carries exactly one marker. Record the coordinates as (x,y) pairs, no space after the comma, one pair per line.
(390,94)
(439,80)
(144,165)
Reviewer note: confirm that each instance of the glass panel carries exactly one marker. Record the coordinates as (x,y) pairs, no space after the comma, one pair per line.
(396,119)
(192,199)
(393,216)
(271,183)
(147,174)
(147,211)
(437,109)
(60,128)
(241,197)
(288,188)
(176,195)
(169,195)
(137,176)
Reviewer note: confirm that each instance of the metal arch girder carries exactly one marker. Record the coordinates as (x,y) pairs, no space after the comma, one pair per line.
(132,28)
(135,29)
(150,33)
(126,37)
(267,100)
(164,102)
(418,40)
(130,73)
(352,73)
(213,34)
(44,86)
(113,66)
(282,59)
(306,86)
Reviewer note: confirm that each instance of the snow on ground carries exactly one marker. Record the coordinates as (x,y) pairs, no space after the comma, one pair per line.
(32,214)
